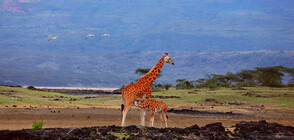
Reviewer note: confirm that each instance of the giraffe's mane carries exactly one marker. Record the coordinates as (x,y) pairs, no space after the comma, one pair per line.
(152,68)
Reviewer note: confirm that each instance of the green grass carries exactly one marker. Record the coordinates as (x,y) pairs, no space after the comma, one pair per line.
(272,97)
(275,97)
(21,97)
(121,135)
(24,97)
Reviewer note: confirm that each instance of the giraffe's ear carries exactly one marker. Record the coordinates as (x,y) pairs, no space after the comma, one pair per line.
(166,53)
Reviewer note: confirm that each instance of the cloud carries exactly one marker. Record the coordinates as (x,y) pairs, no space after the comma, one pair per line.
(48,65)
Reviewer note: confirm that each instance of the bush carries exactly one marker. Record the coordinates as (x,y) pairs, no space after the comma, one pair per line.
(155,88)
(31,88)
(167,86)
(290,85)
(37,125)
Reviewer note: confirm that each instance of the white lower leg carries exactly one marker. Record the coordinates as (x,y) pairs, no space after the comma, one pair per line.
(165,119)
(161,115)
(142,115)
(151,118)
(123,122)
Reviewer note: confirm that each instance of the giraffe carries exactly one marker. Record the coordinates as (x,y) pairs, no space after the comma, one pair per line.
(155,106)
(141,89)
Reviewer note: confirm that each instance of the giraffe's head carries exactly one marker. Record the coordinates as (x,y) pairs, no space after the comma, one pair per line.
(167,59)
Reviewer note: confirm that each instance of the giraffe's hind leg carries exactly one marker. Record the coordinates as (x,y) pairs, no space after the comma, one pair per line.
(125,111)
(164,114)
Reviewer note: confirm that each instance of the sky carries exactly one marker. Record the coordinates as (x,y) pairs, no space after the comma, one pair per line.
(179,25)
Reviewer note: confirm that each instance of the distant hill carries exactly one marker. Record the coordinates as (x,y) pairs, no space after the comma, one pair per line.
(118,68)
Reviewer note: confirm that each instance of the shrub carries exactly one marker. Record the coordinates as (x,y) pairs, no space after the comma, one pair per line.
(167,86)
(37,125)
(290,85)
(31,87)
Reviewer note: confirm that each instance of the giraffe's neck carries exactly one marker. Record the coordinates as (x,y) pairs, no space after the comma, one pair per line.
(152,74)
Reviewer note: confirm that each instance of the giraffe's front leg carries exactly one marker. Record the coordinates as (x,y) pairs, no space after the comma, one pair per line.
(142,115)
(165,118)
(161,117)
(152,118)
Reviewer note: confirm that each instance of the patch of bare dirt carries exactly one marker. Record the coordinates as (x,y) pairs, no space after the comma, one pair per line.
(212,114)
(164,97)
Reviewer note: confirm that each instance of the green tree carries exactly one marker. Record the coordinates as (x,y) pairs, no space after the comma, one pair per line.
(199,83)
(247,77)
(231,78)
(215,80)
(142,71)
(270,76)
(183,84)
(167,86)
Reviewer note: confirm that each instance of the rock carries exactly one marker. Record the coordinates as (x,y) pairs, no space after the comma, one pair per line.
(263,130)
(244,130)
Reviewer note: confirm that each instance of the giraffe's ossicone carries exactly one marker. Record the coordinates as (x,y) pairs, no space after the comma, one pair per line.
(141,89)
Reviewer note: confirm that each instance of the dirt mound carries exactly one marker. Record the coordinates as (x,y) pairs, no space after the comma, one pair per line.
(211,100)
(244,130)
(164,97)
(238,88)
(213,114)
(112,132)
(194,92)
(263,130)
(250,94)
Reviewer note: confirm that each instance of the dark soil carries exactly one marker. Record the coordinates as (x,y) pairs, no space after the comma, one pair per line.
(250,94)
(238,88)
(263,130)
(236,103)
(213,114)
(193,92)
(164,97)
(211,100)
(243,130)
(85,93)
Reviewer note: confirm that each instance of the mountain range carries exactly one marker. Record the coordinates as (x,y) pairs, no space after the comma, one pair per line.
(114,69)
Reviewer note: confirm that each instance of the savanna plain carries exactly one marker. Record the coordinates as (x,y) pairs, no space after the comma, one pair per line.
(19,107)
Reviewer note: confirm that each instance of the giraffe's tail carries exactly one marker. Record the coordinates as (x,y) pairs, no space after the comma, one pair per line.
(166,116)
(122,109)
(122,105)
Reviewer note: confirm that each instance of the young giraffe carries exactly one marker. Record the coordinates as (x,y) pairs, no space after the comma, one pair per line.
(155,106)
(141,89)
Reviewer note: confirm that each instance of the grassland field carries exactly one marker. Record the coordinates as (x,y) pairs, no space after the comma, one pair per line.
(19,107)
(223,97)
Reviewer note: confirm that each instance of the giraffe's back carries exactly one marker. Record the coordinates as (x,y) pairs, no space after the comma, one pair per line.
(153,105)
(135,91)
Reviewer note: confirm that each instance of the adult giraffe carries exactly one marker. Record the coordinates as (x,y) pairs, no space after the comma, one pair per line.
(141,89)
